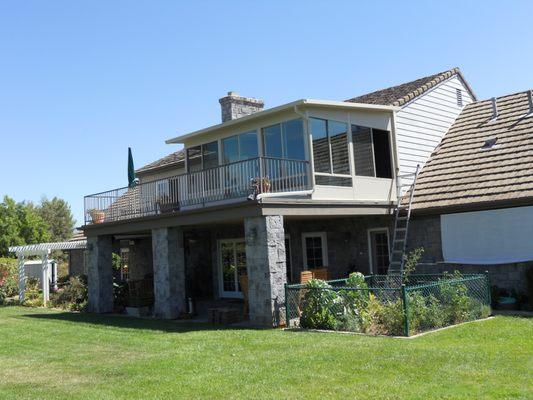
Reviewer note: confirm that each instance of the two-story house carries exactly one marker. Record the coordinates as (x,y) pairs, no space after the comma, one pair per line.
(269,193)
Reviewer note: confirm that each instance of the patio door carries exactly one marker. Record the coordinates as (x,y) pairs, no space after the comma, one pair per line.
(379,250)
(232,264)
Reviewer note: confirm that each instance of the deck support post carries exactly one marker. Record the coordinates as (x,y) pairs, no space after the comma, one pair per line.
(100,274)
(267,270)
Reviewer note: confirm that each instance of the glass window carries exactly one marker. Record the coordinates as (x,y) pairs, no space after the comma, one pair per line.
(194,159)
(315,250)
(338,136)
(210,155)
(293,140)
(272,141)
(362,150)
(372,152)
(319,133)
(230,149)
(248,145)
(382,154)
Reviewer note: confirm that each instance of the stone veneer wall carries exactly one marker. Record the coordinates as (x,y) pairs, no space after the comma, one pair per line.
(100,274)
(140,264)
(347,240)
(76,262)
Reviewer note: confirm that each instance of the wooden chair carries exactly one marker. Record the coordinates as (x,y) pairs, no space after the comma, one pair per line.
(317,273)
(243,280)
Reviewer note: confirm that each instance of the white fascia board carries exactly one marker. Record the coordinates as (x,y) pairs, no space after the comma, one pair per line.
(284,107)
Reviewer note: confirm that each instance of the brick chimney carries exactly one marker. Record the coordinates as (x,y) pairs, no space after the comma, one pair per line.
(234,106)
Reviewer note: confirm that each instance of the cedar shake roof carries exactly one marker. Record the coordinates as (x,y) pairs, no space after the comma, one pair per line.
(172,159)
(402,94)
(460,173)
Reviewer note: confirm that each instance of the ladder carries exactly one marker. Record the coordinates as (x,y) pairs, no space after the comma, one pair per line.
(401,222)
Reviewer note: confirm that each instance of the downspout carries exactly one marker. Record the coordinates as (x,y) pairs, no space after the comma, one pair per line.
(395,157)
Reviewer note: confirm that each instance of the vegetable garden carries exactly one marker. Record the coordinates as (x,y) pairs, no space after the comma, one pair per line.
(388,304)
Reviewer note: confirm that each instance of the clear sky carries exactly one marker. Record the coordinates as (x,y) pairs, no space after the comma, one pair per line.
(80,81)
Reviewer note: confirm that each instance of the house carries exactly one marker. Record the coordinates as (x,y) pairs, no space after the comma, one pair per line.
(473,203)
(269,193)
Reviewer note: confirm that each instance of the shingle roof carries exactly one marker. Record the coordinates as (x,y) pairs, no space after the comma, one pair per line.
(460,173)
(402,94)
(172,159)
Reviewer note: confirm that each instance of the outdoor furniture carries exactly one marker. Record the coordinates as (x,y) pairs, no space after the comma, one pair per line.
(317,273)
(141,292)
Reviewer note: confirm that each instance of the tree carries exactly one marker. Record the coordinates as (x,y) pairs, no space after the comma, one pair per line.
(58,216)
(20,223)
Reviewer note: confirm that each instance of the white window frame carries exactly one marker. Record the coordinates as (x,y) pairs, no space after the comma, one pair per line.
(369,233)
(324,242)
(221,291)
(122,251)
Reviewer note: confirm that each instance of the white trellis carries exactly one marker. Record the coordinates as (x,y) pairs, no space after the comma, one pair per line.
(42,250)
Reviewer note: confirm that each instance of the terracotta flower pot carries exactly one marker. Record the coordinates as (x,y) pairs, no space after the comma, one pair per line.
(97,216)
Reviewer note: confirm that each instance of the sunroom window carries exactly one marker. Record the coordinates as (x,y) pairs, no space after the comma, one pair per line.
(202,157)
(372,153)
(330,152)
(285,140)
(239,147)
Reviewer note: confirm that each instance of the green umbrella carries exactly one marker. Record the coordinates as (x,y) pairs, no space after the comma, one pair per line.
(132,180)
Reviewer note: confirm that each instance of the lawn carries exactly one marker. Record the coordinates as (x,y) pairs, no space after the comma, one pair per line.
(47,355)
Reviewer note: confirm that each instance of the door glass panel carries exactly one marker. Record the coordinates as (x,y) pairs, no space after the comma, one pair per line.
(319,134)
(380,256)
(272,139)
(293,137)
(362,149)
(338,136)
(228,266)
(240,262)
(313,249)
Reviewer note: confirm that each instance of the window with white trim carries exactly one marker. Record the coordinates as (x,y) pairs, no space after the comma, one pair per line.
(315,250)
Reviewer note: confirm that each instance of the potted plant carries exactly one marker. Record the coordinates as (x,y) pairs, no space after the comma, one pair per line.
(97,216)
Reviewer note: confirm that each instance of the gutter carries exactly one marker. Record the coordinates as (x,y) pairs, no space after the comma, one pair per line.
(285,194)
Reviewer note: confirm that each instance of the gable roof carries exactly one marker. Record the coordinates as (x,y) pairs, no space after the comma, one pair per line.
(172,159)
(460,173)
(401,94)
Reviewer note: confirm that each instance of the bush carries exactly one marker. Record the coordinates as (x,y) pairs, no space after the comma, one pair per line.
(320,305)
(424,313)
(32,295)
(355,303)
(8,278)
(72,296)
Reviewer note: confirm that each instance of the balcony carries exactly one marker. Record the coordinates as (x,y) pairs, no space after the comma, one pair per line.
(242,179)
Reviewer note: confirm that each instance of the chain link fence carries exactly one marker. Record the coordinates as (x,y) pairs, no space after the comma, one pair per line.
(388,304)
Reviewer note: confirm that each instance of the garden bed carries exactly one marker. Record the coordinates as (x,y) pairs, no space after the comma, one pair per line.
(388,304)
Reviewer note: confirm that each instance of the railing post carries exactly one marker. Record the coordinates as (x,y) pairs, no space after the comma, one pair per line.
(287,320)
(489,294)
(405,310)
(261,174)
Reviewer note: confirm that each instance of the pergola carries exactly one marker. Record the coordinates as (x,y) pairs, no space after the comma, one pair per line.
(42,250)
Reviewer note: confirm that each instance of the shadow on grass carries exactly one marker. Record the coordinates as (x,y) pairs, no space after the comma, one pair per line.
(127,322)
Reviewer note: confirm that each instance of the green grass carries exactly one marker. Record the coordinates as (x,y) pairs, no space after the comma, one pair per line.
(46,354)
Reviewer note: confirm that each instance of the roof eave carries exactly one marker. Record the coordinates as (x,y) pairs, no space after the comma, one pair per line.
(284,107)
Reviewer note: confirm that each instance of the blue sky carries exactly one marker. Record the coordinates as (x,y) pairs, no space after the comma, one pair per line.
(81,81)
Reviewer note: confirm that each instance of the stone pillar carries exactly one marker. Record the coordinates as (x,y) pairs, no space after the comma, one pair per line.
(100,274)
(169,272)
(267,271)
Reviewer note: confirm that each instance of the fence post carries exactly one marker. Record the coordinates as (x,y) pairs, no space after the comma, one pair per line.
(287,321)
(489,295)
(405,310)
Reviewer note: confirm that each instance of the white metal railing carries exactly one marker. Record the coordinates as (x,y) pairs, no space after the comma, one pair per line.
(229,181)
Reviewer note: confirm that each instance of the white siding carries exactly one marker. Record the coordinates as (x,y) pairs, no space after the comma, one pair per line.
(421,124)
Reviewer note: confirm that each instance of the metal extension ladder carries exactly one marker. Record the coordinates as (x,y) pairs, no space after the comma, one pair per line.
(401,222)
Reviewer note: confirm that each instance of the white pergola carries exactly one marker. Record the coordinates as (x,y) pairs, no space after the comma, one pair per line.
(42,250)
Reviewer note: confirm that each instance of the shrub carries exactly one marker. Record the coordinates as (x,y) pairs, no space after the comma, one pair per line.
(424,312)
(72,296)
(8,278)
(32,295)
(320,306)
(355,303)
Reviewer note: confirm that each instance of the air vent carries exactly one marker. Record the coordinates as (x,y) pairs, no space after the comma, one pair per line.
(459,94)
(490,144)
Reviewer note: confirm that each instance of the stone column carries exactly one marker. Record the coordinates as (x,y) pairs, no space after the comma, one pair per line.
(267,271)
(100,274)
(169,272)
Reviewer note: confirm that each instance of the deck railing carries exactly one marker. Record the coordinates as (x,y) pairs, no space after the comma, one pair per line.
(247,178)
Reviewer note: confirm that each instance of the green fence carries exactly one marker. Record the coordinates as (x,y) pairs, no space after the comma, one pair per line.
(388,305)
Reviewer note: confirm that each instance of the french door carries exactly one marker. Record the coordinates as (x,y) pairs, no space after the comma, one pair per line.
(232,264)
